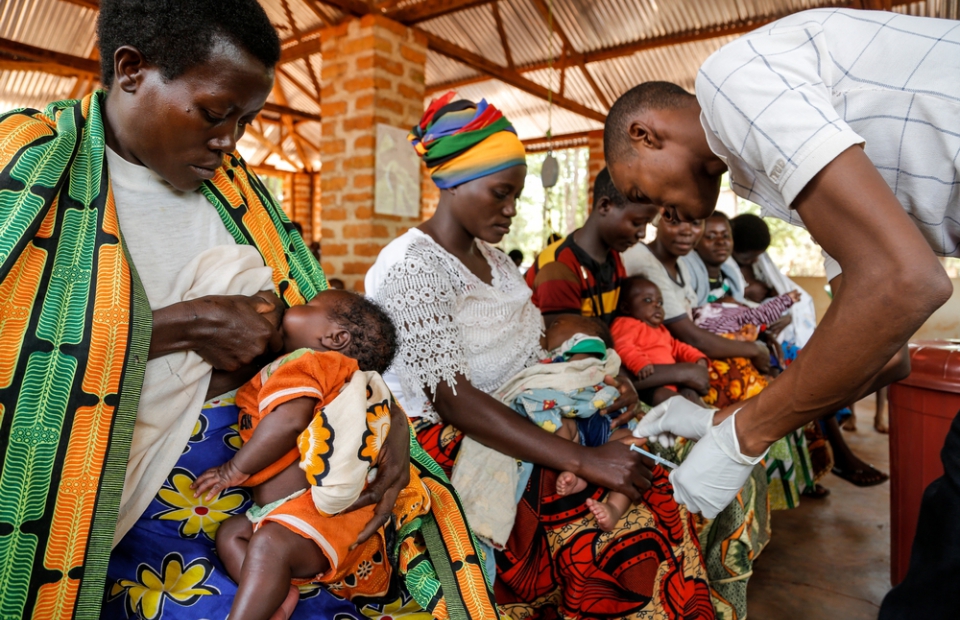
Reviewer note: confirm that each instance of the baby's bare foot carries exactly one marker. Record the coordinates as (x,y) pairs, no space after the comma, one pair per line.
(568,483)
(605,514)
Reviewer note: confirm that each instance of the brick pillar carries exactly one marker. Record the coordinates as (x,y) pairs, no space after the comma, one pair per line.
(372,73)
(316,219)
(301,210)
(595,162)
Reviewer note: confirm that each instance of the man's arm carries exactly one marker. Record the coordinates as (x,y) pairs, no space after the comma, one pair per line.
(892,283)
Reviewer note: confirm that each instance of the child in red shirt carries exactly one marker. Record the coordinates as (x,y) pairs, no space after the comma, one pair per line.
(643,342)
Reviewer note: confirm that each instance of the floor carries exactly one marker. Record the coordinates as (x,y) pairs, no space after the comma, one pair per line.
(829,559)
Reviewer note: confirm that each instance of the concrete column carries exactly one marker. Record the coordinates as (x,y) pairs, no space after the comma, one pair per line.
(373,72)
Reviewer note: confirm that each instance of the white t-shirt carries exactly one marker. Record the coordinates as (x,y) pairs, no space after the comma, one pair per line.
(163,228)
(782,102)
(679,298)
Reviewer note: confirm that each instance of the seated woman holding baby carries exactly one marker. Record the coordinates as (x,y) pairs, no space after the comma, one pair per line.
(741,531)
(723,308)
(466,327)
(147,271)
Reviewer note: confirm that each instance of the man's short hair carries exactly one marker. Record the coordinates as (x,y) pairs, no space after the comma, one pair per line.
(373,336)
(603,188)
(750,233)
(175,35)
(646,96)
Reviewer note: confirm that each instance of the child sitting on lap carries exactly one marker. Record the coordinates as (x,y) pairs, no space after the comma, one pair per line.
(580,355)
(567,411)
(643,342)
(313,423)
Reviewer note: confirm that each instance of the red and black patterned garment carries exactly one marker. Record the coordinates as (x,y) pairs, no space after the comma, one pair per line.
(565,279)
(559,564)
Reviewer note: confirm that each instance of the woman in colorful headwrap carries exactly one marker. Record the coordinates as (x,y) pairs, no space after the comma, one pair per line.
(104,203)
(467,324)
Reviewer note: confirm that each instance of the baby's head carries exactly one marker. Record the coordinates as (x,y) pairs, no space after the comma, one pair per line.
(641,299)
(566,326)
(345,322)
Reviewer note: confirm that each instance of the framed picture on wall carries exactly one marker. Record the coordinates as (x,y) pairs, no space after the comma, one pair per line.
(397,174)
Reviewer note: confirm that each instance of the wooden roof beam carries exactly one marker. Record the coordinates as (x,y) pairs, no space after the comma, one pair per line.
(19,64)
(65,64)
(626,49)
(87,4)
(271,146)
(65,61)
(287,121)
(507,76)
(312,5)
(503,34)
(276,108)
(300,50)
(298,84)
(357,8)
(538,145)
(430,9)
(570,53)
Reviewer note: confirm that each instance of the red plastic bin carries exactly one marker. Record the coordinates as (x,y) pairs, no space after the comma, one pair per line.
(922,407)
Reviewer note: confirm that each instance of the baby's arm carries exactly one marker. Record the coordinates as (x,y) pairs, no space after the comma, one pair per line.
(275,436)
(627,341)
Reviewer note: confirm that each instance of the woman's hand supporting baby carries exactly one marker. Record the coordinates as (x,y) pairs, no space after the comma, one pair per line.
(227,331)
(628,399)
(393,475)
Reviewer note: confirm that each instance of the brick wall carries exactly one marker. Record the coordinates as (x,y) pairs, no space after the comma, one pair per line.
(302,203)
(301,198)
(372,73)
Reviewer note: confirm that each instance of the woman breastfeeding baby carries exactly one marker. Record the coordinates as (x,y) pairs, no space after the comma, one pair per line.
(466,326)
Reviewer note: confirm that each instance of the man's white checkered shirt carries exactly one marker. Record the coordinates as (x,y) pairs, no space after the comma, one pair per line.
(782,102)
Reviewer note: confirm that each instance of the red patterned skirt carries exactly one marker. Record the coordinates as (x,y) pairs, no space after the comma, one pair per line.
(559,564)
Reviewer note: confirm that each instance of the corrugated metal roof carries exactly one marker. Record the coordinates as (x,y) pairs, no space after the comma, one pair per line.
(472,29)
(590,26)
(442,69)
(30,89)
(50,24)
(530,115)
(676,63)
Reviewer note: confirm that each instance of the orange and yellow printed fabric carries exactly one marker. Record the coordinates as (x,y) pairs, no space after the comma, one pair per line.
(74,340)
(75,329)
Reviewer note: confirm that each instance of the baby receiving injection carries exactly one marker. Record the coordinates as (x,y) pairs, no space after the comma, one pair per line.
(582,346)
(313,424)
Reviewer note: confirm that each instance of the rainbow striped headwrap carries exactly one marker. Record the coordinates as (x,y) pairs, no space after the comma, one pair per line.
(462,141)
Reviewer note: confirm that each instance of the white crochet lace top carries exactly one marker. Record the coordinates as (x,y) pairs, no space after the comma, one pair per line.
(450,322)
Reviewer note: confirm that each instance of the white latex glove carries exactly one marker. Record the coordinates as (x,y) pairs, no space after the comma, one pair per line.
(714,471)
(675,417)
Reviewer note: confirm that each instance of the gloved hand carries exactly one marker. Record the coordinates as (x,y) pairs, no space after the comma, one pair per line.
(714,471)
(675,417)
